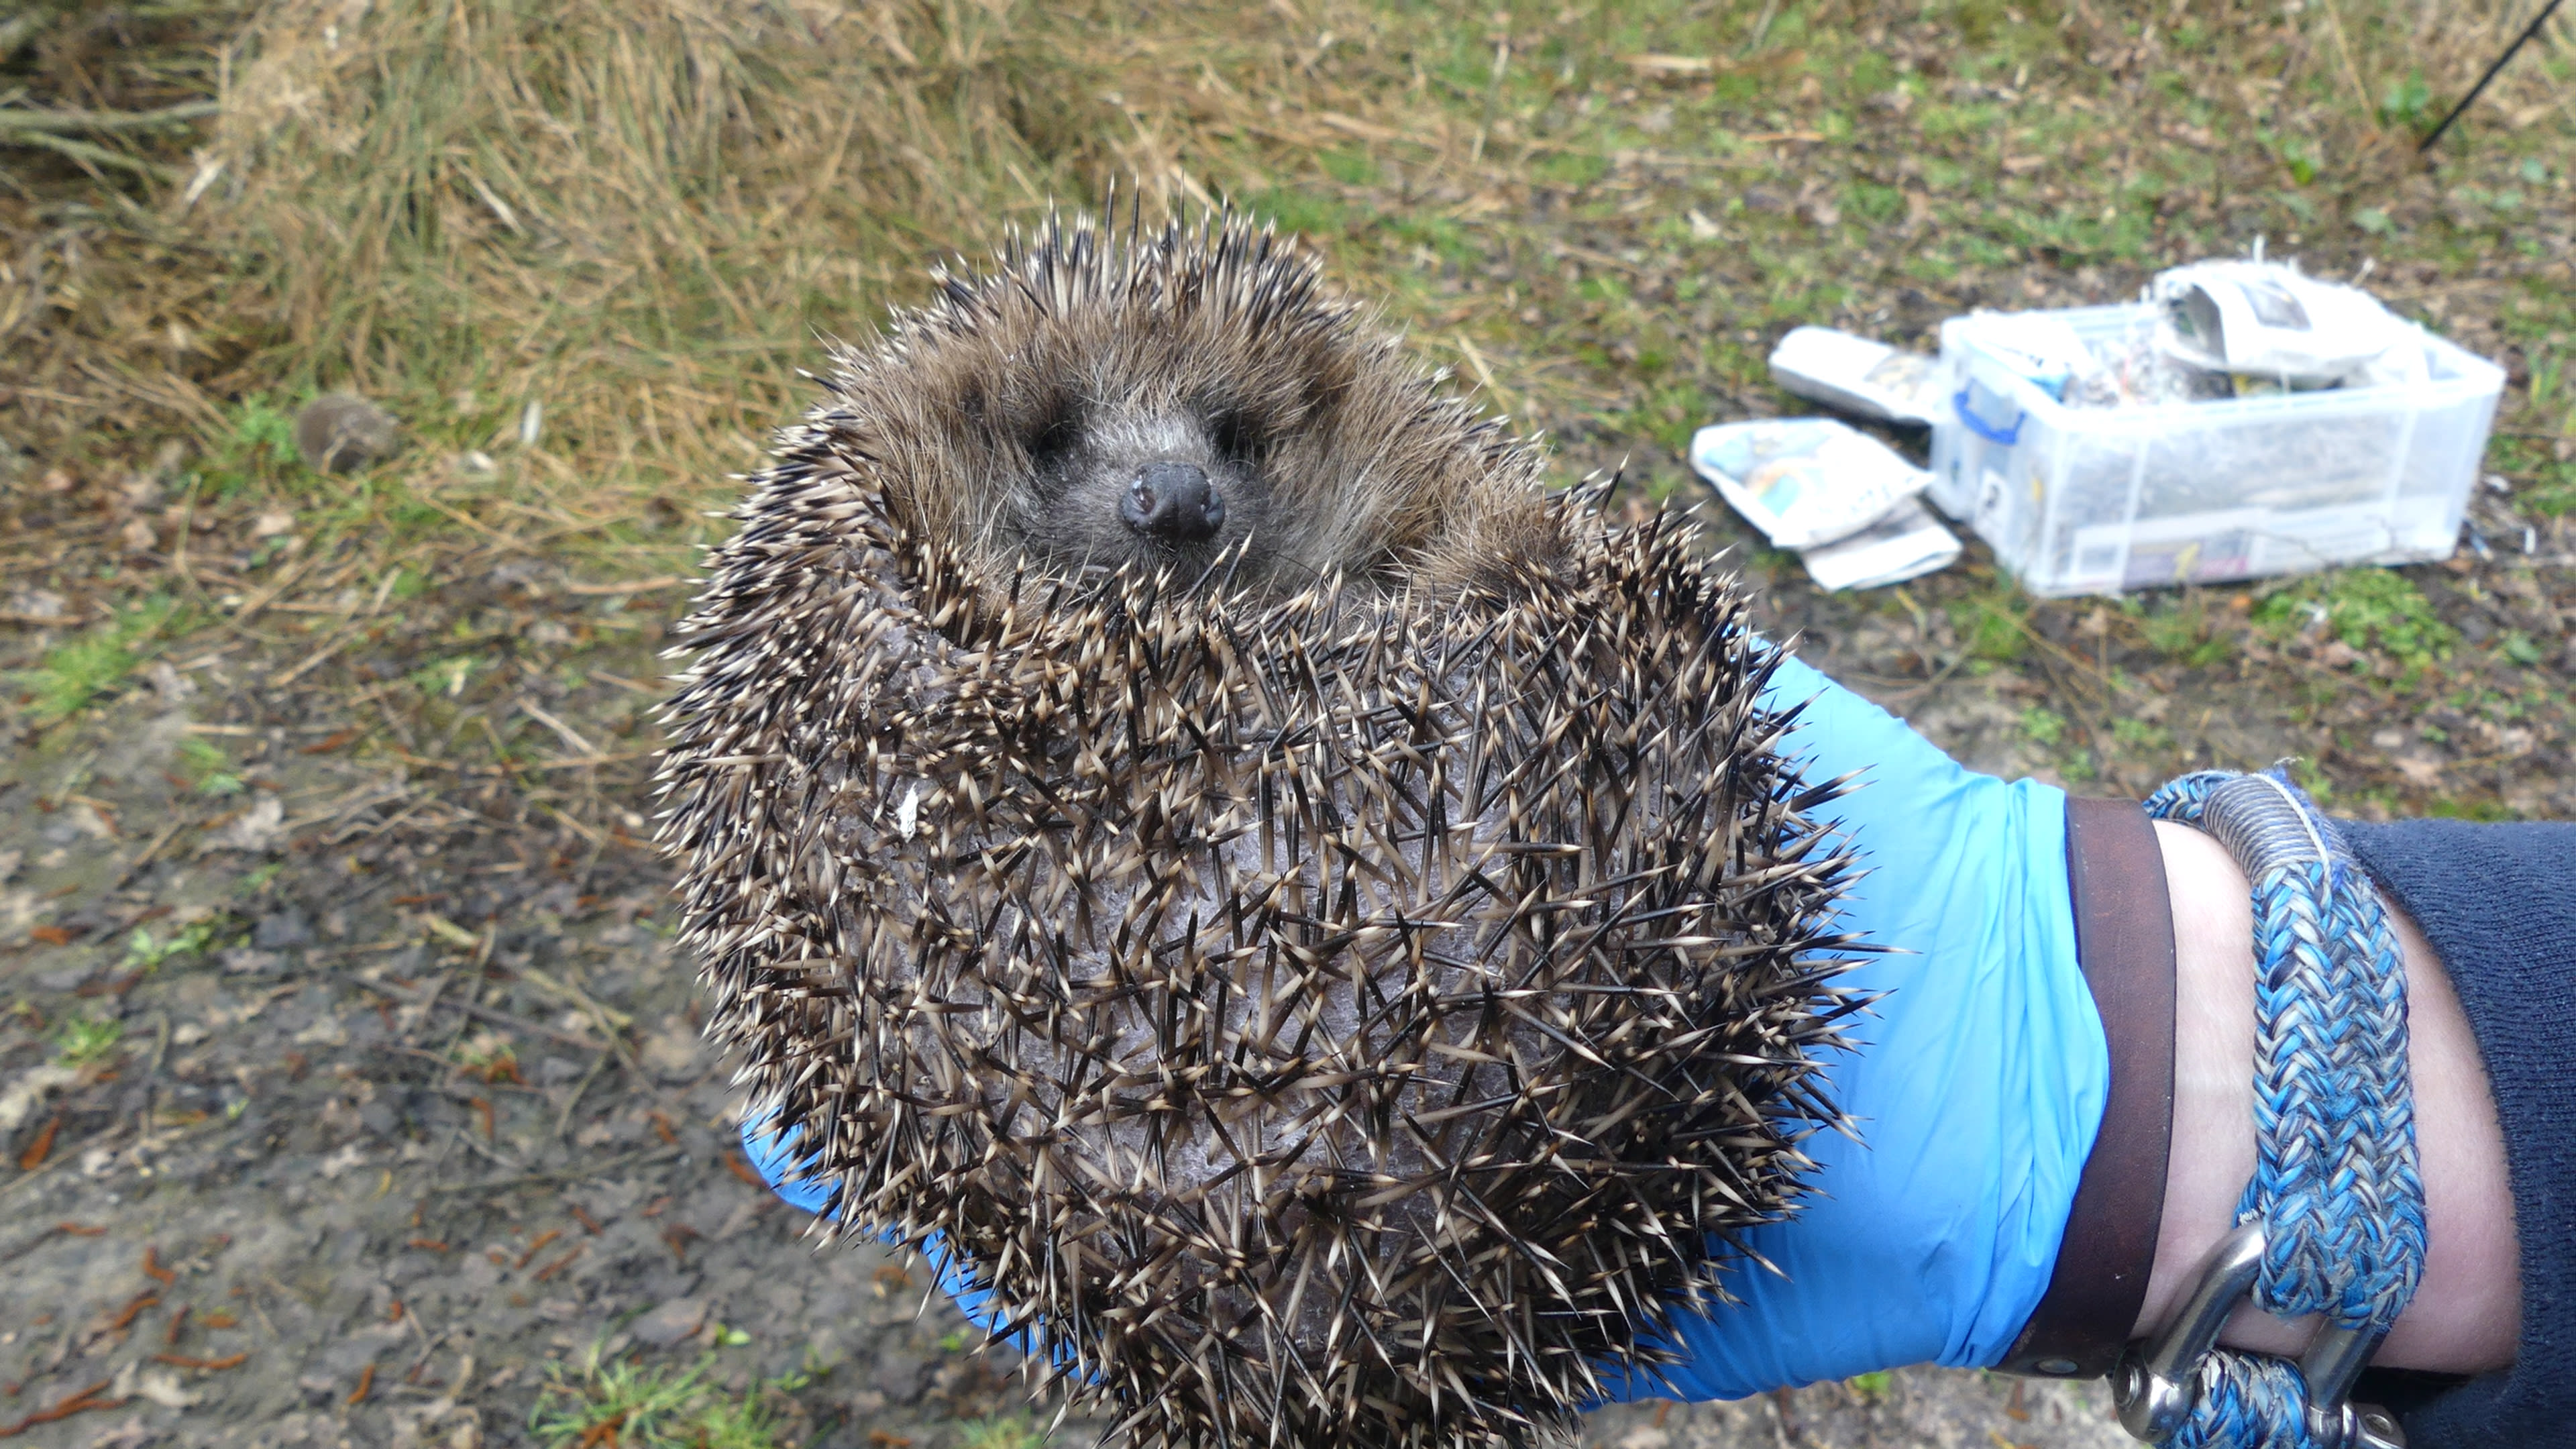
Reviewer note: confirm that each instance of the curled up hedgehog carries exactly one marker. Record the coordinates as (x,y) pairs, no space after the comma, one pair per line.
(1167,803)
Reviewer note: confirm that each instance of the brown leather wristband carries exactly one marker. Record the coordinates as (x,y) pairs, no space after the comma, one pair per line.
(2125,943)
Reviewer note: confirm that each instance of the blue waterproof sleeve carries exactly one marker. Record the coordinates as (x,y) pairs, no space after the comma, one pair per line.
(1976,1087)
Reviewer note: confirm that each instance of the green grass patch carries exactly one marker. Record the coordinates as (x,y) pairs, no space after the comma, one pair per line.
(647,1407)
(2408,102)
(1349,167)
(2180,628)
(2549,488)
(145,951)
(1002,1431)
(208,769)
(2141,736)
(76,672)
(2483,810)
(743,1423)
(1993,624)
(1299,212)
(257,450)
(2366,608)
(623,1400)
(1571,168)
(447,676)
(81,1041)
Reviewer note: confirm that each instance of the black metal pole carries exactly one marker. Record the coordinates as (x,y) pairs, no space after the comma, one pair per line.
(2479,89)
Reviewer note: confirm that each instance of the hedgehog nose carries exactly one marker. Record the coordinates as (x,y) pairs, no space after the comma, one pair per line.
(1173,503)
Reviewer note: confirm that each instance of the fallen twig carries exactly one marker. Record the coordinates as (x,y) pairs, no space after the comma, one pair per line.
(562,731)
(563,1119)
(206,1365)
(630,586)
(80,1403)
(562,1174)
(315,659)
(503,1018)
(149,852)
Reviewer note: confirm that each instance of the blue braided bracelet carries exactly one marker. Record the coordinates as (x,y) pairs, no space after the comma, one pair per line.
(2333,1221)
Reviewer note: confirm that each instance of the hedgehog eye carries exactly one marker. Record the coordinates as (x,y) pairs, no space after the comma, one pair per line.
(1238,434)
(1053,430)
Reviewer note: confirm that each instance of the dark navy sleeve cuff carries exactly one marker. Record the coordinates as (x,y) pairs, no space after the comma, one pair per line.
(2498,905)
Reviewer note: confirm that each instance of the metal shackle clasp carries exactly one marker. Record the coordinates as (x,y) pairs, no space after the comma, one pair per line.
(2330,1366)
(2355,1426)
(2152,1386)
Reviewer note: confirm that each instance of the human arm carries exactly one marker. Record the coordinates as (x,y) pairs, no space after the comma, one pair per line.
(2465,1314)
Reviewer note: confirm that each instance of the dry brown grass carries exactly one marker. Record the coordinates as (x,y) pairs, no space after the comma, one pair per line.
(614,226)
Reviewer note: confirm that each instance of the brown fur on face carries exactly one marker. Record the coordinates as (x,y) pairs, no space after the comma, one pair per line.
(1084,351)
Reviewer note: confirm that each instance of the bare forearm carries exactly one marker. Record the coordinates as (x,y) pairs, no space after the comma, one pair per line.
(2467,1311)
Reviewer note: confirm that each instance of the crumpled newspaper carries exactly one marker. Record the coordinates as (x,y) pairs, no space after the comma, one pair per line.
(1843,499)
(1804,481)
(1856,375)
(2266,323)
(1907,543)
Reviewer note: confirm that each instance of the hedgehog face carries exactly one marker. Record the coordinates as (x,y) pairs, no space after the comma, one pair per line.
(1168,492)
(1193,407)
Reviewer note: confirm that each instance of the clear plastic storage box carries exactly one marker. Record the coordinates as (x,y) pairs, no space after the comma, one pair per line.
(2097,500)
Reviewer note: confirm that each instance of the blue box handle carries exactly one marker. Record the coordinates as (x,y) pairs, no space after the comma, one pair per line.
(2002,437)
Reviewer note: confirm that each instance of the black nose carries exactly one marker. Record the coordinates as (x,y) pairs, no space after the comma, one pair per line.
(1172,503)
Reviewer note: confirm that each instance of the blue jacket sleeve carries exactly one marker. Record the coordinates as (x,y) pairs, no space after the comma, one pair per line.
(2498,904)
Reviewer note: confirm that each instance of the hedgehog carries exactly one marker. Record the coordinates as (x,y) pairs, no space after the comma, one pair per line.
(1323,931)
